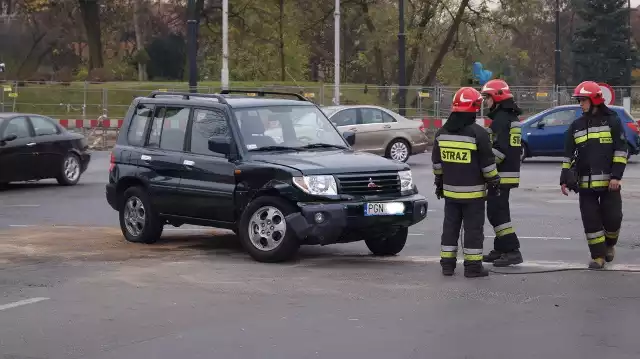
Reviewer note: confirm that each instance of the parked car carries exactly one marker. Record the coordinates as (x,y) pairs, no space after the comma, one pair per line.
(543,134)
(380,131)
(183,158)
(35,147)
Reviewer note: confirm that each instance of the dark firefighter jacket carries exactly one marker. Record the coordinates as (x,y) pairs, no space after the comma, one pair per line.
(598,145)
(463,158)
(505,134)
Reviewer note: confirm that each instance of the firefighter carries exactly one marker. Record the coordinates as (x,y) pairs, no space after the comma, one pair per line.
(463,165)
(595,160)
(505,133)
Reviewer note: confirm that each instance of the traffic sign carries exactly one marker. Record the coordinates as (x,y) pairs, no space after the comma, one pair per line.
(608,93)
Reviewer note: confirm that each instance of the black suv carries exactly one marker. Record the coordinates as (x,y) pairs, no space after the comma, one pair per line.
(275,171)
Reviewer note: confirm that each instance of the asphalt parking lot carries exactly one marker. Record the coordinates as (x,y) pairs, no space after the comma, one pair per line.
(71,287)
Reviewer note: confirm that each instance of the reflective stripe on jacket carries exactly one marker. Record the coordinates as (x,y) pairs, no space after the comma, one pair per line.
(601,147)
(465,162)
(506,133)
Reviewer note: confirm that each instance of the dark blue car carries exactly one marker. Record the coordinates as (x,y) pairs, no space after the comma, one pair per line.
(543,133)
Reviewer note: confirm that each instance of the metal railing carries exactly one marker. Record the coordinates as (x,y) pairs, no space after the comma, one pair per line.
(91,101)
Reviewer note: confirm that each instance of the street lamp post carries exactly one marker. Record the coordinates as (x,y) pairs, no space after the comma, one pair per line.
(224,75)
(629,51)
(557,52)
(336,50)
(402,99)
(192,38)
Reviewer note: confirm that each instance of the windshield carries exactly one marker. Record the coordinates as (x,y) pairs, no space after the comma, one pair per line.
(287,127)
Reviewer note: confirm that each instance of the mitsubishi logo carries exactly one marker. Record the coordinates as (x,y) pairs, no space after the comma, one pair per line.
(371,184)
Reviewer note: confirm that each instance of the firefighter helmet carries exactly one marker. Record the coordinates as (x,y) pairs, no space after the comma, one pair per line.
(467,99)
(497,89)
(590,90)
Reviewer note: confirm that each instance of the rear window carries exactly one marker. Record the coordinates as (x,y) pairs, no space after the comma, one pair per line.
(624,115)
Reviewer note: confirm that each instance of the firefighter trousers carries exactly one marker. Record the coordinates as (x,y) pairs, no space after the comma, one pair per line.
(455,214)
(601,213)
(499,216)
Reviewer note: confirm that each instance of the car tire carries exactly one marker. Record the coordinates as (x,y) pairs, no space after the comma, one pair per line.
(264,232)
(398,150)
(390,245)
(524,154)
(70,171)
(139,222)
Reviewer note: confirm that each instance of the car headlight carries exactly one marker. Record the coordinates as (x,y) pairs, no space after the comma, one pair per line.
(406,180)
(317,185)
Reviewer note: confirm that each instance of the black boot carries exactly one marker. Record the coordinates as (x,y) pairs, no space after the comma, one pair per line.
(509,258)
(474,269)
(492,256)
(448,266)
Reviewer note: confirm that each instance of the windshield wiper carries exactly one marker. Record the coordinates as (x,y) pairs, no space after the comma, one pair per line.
(275,148)
(322,145)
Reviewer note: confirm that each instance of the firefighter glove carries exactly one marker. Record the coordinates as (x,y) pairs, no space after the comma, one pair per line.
(494,188)
(439,189)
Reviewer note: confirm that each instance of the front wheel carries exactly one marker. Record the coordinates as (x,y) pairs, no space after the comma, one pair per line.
(389,245)
(524,152)
(264,231)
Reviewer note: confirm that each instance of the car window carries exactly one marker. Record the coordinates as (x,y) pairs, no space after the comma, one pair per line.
(43,126)
(559,118)
(143,114)
(17,126)
(206,124)
(371,115)
(291,126)
(386,118)
(345,117)
(168,128)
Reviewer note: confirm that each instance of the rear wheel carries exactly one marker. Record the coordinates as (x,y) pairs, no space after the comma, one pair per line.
(389,245)
(398,150)
(138,220)
(70,172)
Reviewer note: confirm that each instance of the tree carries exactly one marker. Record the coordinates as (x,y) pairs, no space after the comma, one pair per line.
(600,48)
(90,10)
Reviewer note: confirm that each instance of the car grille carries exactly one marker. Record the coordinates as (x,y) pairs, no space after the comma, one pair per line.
(363,184)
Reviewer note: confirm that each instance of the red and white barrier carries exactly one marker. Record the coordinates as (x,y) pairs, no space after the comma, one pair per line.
(430,122)
(68,123)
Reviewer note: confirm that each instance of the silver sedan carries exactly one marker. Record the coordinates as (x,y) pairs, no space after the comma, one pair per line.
(380,131)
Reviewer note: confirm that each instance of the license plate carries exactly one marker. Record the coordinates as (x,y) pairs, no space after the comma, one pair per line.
(384,209)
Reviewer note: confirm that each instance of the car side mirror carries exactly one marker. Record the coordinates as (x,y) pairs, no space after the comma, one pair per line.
(540,124)
(220,144)
(9,138)
(350,137)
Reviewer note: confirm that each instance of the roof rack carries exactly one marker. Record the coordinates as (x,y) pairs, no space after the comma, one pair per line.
(188,95)
(262,93)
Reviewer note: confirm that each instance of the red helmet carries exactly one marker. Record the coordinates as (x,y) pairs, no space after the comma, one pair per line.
(590,90)
(497,89)
(467,99)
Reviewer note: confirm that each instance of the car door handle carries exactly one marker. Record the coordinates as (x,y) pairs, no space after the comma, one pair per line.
(354,129)
(188,163)
(31,144)
(145,158)
(387,126)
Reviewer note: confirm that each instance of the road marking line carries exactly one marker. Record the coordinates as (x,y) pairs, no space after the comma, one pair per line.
(522,237)
(21,225)
(20,205)
(22,302)
(543,238)
(526,264)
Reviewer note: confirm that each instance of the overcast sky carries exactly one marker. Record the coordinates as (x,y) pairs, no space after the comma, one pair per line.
(635,3)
